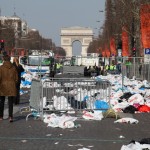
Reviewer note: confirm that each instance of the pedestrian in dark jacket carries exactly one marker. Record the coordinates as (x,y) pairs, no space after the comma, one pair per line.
(19,69)
(85,72)
(8,80)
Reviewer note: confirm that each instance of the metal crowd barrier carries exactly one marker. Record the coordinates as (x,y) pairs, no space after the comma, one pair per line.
(74,94)
(35,102)
(138,68)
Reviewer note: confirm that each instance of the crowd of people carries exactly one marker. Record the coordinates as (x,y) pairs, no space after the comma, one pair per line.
(102,70)
(111,68)
(92,70)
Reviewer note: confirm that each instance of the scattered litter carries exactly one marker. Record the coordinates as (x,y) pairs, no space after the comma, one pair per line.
(121,137)
(84,148)
(133,88)
(118,129)
(23,141)
(96,115)
(136,146)
(77,125)
(59,121)
(75,145)
(48,134)
(90,146)
(127,120)
(56,143)
(71,112)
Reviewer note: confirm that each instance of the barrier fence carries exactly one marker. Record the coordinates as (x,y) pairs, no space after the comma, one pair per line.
(69,95)
(78,94)
(130,66)
(136,67)
(139,67)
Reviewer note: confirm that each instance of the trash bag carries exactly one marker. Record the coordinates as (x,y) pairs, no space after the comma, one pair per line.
(99,104)
(110,113)
(130,109)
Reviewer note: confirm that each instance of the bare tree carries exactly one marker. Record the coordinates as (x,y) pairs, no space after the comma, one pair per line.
(118,14)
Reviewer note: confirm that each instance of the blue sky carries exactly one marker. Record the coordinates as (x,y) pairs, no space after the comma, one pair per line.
(49,16)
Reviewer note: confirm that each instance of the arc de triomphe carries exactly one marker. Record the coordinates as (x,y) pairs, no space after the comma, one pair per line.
(71,34)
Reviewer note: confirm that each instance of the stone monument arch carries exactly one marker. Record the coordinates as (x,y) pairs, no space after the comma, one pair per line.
(71,34)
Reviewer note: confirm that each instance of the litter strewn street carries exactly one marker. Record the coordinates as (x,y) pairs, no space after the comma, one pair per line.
(93,135)
(75,75)
(103,134)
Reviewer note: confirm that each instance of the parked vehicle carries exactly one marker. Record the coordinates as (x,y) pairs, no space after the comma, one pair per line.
(39,64)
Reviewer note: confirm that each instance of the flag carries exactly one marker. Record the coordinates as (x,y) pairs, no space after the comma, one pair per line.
(145,25)
(125,42)
(103,53)
(113,47)
(107,51)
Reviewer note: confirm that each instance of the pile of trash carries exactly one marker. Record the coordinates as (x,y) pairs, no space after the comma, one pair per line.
(131,97)
(127,96)
(143,144)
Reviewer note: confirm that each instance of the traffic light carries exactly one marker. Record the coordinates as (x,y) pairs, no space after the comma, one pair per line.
(134,52)
(119,46)
(2,44)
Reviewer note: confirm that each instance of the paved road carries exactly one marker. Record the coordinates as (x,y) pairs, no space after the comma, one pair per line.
(94,135)
(73,69)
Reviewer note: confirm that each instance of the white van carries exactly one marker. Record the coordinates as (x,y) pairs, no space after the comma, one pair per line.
(37,64)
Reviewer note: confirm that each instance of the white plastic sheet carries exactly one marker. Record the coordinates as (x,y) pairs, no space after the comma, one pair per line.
(59,121)
(136,146)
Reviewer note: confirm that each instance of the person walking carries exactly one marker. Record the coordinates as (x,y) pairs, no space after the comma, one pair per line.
(8,80)
(19,69)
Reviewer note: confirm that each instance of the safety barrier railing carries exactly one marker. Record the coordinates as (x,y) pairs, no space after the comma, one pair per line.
(75,95)
(35,102)
(138,67)
(69,95)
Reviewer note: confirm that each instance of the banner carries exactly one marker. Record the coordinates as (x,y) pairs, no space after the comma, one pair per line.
(103,54)
(113,47)
(107,51)
(145,25)
(125,42)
